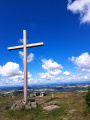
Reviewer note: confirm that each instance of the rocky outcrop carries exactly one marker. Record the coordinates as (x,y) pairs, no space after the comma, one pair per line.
(17,105)
(20,104)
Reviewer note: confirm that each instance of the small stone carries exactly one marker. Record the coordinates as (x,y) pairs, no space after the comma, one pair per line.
(65,118)
(30,100)
(33,104)
(51,107)
(52,95)
(27,107)
(71,111)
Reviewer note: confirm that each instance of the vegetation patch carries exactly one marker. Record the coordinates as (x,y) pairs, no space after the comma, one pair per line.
(71,106)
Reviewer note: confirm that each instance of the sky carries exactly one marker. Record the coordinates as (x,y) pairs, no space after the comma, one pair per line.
(63,26)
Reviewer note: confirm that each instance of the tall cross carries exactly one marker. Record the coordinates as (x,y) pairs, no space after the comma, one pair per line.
(25,46)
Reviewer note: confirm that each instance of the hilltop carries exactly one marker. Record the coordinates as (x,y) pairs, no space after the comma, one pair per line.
(72,106)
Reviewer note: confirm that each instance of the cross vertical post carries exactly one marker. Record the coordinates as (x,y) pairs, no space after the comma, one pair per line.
(25,65)
(25,46)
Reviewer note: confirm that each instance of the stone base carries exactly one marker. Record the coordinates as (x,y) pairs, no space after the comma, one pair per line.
(18,105)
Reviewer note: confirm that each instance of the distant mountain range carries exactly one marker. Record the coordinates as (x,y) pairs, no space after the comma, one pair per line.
(47,88)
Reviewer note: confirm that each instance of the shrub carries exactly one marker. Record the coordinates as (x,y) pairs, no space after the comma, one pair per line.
(87,97)
(7,107)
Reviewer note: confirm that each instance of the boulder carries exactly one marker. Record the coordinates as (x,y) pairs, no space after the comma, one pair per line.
(33,104)
(17,105)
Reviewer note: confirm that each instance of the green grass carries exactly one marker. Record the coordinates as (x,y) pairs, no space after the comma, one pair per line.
(71,105)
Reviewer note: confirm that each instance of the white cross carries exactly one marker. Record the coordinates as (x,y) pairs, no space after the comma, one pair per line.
(25,46)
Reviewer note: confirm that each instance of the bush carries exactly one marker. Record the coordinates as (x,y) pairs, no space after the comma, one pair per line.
(87,97)
(87,110)
(7,107)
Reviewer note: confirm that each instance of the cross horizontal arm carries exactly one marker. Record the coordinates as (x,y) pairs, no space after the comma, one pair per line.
(35,45)
(28,46)
(16,47)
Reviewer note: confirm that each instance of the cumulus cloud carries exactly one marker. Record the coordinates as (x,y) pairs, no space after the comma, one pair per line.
(52,69)
(20,78)
(79,78)
(82,61)
(12,75)
(82,7)
(30,57)
(66,73)
(10,69)
(85,70)
(55,72)
(45,76)
(50,65)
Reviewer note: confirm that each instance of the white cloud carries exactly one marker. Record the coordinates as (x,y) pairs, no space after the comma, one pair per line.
(29,75)
(30,57)
(82,61)
(20,78)
(66,73)
(86,77)
(11,74)
(79,78)
(10,69)
(21,40)
(55,72)
(52,70)
(45,76)
(75,78)
(21,54)
(82,7)
(50,65)
(85,70)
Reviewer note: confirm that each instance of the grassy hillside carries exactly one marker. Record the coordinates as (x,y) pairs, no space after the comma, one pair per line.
(72,106)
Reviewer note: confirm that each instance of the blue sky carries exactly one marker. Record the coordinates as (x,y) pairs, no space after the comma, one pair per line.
(63,26)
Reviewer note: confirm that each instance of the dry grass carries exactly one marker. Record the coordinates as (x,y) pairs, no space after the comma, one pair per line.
(71,106)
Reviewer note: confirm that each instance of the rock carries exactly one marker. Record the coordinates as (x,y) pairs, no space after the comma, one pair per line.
(27,107)
(20,104)
(32,95)
(65,118)
(53,95)
(30,100)
(17,105)
(51,107)
(33,104)
(71,111)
